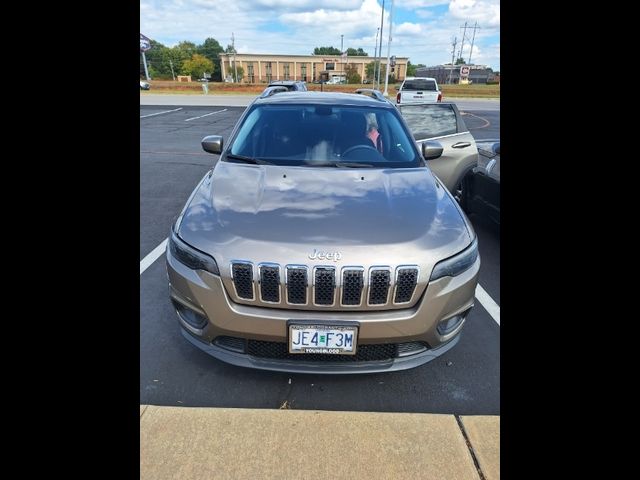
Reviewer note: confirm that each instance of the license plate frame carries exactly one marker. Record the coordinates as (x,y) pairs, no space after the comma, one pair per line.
(319,327)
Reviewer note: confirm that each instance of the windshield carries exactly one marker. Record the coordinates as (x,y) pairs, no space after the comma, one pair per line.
(420,84)
(324,135)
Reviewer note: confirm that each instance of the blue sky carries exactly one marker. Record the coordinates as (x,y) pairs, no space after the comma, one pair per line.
(423,30)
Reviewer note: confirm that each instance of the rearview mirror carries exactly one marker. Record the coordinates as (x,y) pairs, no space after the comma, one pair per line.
(212,144)
(431,150)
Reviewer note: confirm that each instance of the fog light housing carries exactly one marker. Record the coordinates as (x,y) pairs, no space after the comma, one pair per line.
(193,318)
(448,325)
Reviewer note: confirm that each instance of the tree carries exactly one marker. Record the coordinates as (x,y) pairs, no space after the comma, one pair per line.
(357,53)
(326,51)
(460,61)
(197,65)
(188,49)
(240,70)
(352,74)
(211,49)
(372,67)
(412,69)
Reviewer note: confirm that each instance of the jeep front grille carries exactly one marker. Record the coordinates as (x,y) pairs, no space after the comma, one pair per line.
(297,285)
(270,283)
(379,286)
(324,287)
(352,283)
(406,281)
(243,279)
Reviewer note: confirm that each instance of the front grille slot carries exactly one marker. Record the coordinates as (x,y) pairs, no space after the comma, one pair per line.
(270,284)
(231,343)
(379,287)
(297,285)
(364,353)
(243,280)
(352,283)
(405,284)
(324,285)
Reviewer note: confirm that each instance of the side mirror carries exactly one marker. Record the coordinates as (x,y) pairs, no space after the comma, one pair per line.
(212,144)
(431,150)
(496,148)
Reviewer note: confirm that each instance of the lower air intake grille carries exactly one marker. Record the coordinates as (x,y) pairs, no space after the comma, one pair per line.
(231,343)
(364,353)
(270,284)
(379,287)
(406,284)
(325,283)
(243,280)
(297,285)
(352,283)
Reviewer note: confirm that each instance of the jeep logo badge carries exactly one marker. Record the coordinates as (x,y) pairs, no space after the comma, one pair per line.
(316,255)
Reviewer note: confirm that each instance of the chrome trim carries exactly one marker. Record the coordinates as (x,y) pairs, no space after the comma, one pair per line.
(269,264)
(341,288)
(395,287)
(335,287)
(286,282)
(391,284)
(253,280)
(490,165)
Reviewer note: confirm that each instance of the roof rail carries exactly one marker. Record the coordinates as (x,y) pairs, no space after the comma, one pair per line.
(269,91)
(370,92)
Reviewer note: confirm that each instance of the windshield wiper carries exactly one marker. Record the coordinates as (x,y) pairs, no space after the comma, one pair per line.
(242,158)
(352,165)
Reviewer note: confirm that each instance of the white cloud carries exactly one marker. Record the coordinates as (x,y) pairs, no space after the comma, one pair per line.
(407,28)
(486,13)
(409,4)
(424,13)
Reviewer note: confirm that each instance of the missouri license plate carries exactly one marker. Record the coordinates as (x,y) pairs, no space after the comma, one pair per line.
(325,339)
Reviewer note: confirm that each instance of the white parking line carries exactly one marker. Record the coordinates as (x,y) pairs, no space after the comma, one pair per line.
(487,302)
(153,256)
(160,113)
(205,115)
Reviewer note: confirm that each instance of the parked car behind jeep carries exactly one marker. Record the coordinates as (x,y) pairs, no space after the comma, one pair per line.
(419,90)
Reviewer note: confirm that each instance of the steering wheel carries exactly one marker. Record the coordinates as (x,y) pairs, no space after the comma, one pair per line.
(356,147)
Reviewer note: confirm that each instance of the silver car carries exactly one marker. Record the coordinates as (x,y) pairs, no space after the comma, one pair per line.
(322,242)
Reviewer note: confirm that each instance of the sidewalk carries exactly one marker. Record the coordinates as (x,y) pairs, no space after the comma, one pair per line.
(234,443)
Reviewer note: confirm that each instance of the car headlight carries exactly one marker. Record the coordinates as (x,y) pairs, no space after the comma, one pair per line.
(457,264)
(189,256)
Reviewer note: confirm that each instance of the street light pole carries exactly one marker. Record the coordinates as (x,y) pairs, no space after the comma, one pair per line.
(377,75)
(375,57)
(386,77)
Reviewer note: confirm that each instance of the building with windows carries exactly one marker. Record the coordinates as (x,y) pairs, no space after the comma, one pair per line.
(451,74)
(264,68)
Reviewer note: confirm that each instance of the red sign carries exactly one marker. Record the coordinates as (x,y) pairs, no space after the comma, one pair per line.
(464,70)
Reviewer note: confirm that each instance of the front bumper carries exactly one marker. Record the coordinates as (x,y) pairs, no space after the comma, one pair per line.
(204,293)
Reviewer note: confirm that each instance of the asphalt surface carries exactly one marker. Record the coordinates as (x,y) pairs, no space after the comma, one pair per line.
(464,381)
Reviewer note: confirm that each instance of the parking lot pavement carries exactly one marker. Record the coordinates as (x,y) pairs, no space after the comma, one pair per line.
(464,381)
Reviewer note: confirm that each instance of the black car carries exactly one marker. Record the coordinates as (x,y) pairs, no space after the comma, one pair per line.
(290,85)
(482,186)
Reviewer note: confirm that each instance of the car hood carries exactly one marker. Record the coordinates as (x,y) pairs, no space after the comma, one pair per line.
(282,214)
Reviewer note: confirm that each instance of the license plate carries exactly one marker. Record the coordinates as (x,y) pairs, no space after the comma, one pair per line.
(325,339)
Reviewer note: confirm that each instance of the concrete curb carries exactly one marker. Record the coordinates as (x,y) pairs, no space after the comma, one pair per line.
(199,443)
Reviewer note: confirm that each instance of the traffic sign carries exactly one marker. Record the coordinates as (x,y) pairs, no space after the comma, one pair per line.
(464,70)
(145,43)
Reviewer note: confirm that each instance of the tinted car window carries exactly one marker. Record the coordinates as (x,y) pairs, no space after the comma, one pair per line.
(321,135)
(428,121)
(420,84)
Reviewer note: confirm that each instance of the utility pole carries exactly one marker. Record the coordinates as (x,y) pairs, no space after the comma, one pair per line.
(172,74)
(341,44)
(375,56)
(464,34)
(472,40)
(453,54)
(379,69)
(235,64)
(386,77)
